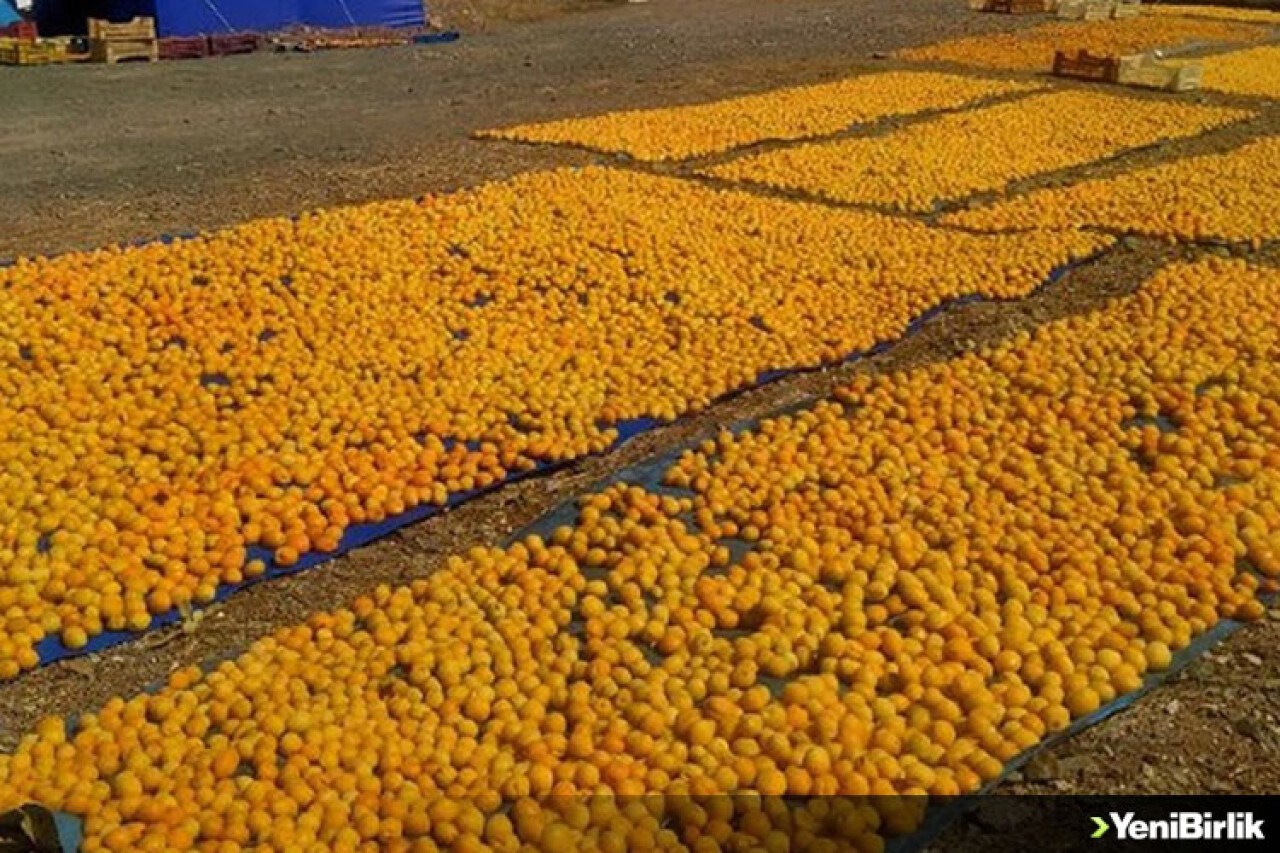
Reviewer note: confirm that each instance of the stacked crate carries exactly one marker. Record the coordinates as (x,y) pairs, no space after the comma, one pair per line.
(26,52)
(229,44)
(181,47)
(112,43)
(20,30)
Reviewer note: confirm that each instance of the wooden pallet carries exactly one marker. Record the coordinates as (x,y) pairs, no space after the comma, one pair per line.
(136,29)
(112,51)
(1086,66)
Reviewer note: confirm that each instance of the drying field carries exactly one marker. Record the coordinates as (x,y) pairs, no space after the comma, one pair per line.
(675,133)
(1233,197)
(937,585)
(270,385)
(959,155)
(1033,51)
(899,586)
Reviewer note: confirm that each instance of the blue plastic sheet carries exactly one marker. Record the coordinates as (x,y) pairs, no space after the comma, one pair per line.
(8,14)
(201,17)
(51,649)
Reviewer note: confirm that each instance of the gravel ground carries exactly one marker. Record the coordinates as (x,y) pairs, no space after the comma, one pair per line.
(95,155)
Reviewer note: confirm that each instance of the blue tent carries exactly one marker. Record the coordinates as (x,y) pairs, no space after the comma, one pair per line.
(198,17)
(185,17)
(8,14)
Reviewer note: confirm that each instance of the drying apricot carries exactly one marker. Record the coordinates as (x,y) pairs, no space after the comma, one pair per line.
(1033,49)
(1253,72)
(669,133)
(951,609)
(982,150)
(169,407)
(1233,196)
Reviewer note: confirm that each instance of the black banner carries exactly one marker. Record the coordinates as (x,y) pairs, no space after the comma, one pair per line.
(1050,824)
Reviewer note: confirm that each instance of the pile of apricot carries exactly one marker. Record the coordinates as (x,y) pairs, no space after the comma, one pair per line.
(1233,195)
(983,150)
(674,133)
(894,592)
(166,408)
(1253,72)
(1033,50)
(1224,13)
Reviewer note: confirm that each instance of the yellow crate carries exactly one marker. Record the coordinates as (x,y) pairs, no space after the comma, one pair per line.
(21,52)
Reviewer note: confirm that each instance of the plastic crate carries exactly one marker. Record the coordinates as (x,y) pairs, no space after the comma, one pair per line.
(21,30)
(1016,7)
(180,47)
(23,52)
(1086,66)
(234,43)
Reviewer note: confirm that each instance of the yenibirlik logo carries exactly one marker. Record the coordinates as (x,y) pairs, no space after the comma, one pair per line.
(1182,826)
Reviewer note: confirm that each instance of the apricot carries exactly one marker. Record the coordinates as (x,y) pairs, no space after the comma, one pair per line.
(1010,601)
(960,154)
(671,133)
(1220,12)
(1033,50)
(1233,196)
(170,407)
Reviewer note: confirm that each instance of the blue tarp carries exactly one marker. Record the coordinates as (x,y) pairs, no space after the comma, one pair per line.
(200,17)
(8,14)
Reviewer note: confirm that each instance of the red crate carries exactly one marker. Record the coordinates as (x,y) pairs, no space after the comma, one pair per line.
(1086,66)
(179,47)
(23,30)
(1016,7)
(232,43)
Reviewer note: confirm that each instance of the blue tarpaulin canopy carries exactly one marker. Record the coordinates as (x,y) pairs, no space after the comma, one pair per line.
(199,17)
(8,14)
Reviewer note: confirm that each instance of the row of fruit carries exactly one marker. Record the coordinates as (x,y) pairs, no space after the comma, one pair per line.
(167,408)
(983,150)
(674,133)
(895,592)
(1254,72)
(1224,13)
(1033,50)
(1231,196)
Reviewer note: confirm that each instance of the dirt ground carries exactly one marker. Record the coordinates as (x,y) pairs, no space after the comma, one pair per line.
(92,155)
(96,154)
